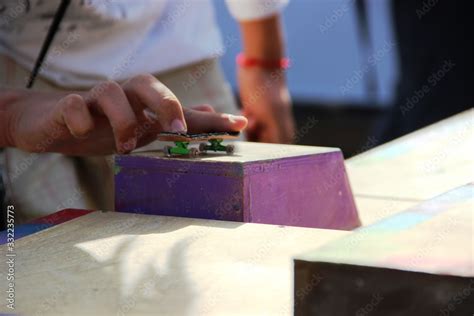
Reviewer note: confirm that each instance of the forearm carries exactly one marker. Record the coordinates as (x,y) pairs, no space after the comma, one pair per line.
(263,39)
(263,90)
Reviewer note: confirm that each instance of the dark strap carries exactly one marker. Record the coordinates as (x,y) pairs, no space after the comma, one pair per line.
(363,23)
(58,16)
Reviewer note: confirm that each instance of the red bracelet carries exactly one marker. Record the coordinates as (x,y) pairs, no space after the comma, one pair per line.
(244,61)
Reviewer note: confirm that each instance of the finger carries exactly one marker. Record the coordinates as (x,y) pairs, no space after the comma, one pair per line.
(113,103)
(72,111)
(203,108)
(206,122)
(148,92)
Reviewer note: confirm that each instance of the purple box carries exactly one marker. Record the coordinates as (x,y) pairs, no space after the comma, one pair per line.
(261,183)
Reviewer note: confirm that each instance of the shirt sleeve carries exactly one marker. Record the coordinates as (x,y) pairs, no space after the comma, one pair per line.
(244,10)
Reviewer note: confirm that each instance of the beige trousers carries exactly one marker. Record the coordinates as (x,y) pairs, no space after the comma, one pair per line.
(40,184)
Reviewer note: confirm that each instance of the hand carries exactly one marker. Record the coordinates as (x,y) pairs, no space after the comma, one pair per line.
(267,105)
(109,118)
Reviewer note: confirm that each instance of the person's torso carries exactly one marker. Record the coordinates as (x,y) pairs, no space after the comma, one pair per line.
(109,39)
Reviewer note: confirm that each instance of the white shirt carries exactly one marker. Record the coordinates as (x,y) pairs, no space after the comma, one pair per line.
(117,39)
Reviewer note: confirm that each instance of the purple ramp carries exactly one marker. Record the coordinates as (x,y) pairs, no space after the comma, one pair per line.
(261,183)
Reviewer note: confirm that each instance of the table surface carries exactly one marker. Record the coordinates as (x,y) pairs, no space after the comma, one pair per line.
(414,168)
(112,262)
(433,237)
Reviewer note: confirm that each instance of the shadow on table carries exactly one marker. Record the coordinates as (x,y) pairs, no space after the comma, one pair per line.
(103,266)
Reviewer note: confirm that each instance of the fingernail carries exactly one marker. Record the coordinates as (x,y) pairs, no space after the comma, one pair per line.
(233,118)
(129,145)
(236,118)
(178,126)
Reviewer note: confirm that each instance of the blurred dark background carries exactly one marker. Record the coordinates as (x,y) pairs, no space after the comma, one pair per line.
(371,71)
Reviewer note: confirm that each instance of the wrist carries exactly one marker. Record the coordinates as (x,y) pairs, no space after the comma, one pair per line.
(245,61)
